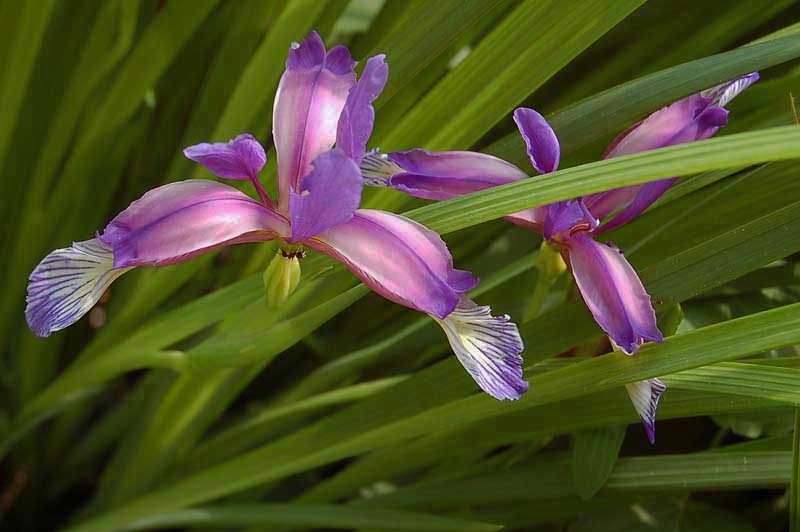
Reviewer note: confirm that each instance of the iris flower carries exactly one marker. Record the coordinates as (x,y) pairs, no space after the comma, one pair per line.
(318,104)
(607,282)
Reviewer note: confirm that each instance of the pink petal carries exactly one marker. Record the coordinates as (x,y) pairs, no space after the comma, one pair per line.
(613,292)
(176,222)
(309,101)
(540,139)
(399,259)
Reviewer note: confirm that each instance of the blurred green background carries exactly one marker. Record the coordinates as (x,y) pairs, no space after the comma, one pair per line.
(343,411)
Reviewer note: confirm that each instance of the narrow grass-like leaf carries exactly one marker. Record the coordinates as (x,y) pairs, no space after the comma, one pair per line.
(319,516)
(794,491)
(754,380)
(503,69)
(594,453)
(615,109)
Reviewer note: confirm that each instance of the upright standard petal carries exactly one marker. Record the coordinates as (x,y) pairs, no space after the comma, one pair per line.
(488,347)
(644,396)
(540,139)
(309,101)
(67,283)
(399,259)
(613,292)
(176,222)
(328,195)
(240,158)
(358,115)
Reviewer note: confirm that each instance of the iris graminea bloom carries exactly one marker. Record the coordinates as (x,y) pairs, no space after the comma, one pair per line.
(319,104)
(606,280)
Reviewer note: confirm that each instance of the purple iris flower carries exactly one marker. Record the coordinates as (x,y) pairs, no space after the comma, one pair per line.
(318,104)
(607,282)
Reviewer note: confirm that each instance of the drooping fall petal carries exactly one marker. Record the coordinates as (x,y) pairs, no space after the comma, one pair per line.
(488,347)
(176,222)
(328,195)
(399,259)
(613,292)
(358,116)
(309,101)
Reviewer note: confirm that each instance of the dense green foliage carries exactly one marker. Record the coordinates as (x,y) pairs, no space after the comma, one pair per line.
(182,402)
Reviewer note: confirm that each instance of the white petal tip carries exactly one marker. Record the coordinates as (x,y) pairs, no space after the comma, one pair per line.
(67,283)
(489,349)
(645,396)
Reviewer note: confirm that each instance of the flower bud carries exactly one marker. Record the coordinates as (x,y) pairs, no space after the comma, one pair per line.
(282,276)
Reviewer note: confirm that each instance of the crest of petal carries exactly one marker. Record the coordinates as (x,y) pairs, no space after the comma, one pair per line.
(67,283)
(444,175)
(358,115)
(309,101)
(613,292)
(328,195)
(240,158)
(176,222)
(565,217)
(722,94)
(540,139)
(488,347)
(645,396)
(399,259)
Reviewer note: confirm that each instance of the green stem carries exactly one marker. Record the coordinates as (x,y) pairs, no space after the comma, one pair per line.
(540,293)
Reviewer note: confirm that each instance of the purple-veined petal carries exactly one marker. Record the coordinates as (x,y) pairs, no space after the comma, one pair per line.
(240,158)
(328,195)
(176,222)
(67,283)
(613,292)
(358,115)
(644,396)
(566,217)
(540,139)
(311,94)
(488,347)
(399,259)
(722,94)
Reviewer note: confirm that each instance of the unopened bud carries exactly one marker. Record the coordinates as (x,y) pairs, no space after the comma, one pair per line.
(550,262)
(282,276)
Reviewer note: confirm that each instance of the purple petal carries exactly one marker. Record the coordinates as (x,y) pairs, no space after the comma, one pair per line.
(67,283)
(488,347)
(240,158)
(541,140)
(646,195)
(644,396)
(328,196)
(176,222)
(613,292)
(399,259)
(567,217)
(358,115)
(722,94)
(444,175)
(310,98)
(686,120)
